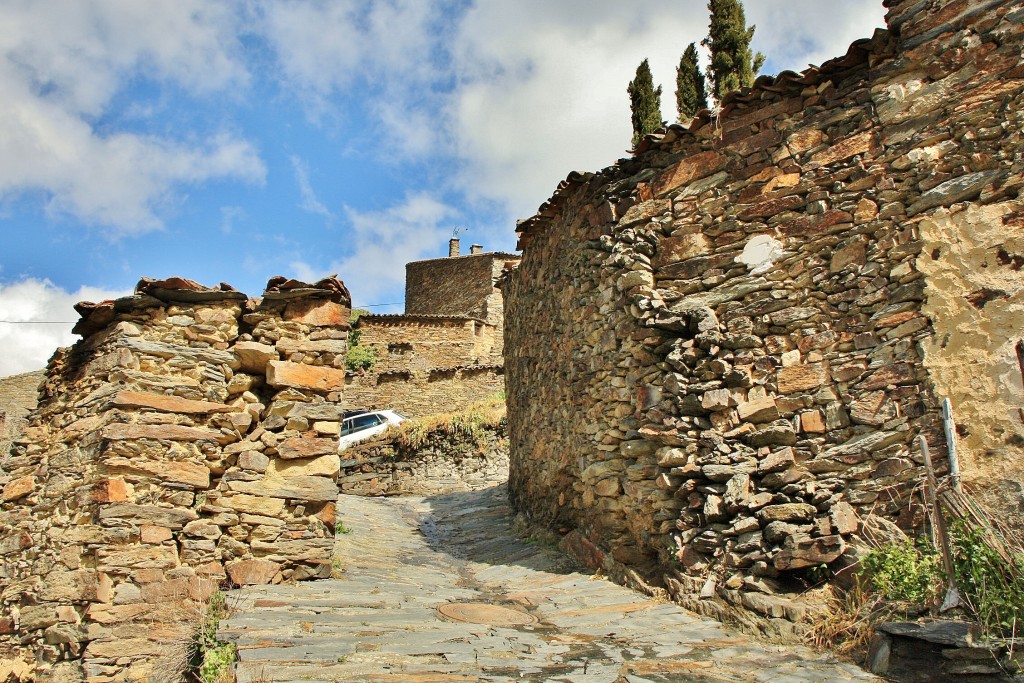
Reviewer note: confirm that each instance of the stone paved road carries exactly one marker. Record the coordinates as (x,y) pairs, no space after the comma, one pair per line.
(404,557)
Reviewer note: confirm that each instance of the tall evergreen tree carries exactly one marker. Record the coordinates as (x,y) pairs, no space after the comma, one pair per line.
(645,102)
(733,66)
(691,95)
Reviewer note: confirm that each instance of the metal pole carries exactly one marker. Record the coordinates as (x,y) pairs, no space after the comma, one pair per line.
(950,428)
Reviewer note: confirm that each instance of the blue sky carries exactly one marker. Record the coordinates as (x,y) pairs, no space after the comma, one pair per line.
(236,140)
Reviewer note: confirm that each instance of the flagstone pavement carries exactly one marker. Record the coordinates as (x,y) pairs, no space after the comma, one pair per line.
(403,559)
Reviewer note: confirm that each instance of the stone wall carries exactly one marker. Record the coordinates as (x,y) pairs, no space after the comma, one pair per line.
(463,285)
(425,392)
(189,438)
(19,394)
(442,463)
(415,343)
(720,350)
(445,352)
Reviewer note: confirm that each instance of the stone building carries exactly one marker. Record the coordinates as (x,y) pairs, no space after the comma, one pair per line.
(719,351)
(188,438)
(445,351)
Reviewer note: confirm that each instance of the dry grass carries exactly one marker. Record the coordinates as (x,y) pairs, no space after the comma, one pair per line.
(178,624)
(849,620)
(469,424)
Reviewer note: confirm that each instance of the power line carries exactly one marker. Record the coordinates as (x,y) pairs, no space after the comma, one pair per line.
(72,322)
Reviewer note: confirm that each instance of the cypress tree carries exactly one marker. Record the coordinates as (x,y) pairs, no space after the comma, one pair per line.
(645,102)
(733,66)
(691,95)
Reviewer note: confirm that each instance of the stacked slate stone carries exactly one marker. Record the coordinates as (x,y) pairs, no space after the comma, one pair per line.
(715,350)
(188,440)
(443,463)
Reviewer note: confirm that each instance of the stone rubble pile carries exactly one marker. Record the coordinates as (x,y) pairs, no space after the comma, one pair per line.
(188,439)
(720,351)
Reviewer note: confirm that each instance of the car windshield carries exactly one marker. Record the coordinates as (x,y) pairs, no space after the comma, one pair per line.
(359,423)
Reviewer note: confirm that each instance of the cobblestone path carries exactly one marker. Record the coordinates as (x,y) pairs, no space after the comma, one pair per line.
(406,557)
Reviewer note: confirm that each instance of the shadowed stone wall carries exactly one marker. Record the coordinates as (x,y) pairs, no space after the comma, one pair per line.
(719,351)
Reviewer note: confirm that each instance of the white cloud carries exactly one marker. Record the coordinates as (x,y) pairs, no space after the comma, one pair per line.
(325,47)
(383,242)
(229,216)
(62,64)
(28,345)
(309,201)
(797,33)
(542,85)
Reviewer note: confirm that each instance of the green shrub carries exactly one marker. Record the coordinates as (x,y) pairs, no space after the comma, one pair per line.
(360,358)
(904,572)
(993,586)
(211,659)
(353,319)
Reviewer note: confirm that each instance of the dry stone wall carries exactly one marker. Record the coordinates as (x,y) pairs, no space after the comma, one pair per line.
(412,343)
(426,364)
(720,350)
(426,392)
(19,394)
(188,439)
(445,352)
(462,285)
(442,463)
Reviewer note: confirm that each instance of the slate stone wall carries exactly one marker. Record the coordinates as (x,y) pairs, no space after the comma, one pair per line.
(443,464)
(189,438)
(415,343)
(445,352)
(719,351)
(19,394)
(463,285)
(425,392)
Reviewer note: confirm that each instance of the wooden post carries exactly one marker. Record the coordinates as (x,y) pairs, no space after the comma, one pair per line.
(952,598)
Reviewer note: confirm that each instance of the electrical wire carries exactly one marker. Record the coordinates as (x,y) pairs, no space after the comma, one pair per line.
(72,322)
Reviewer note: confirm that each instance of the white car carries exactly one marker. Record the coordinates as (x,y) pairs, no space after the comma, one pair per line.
(362,425)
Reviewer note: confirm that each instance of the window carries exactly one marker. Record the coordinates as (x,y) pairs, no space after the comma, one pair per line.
(359,423)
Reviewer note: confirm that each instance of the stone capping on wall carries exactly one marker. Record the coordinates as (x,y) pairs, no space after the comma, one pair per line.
(907,20)
(735,105)
(401,318)
(483,254)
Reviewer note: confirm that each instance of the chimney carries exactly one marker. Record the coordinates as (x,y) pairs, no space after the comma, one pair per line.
(476,249)
(453,247)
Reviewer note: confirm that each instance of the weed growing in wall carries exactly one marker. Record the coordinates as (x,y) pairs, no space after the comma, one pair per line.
(211,659)
(990,583)
(358,358)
